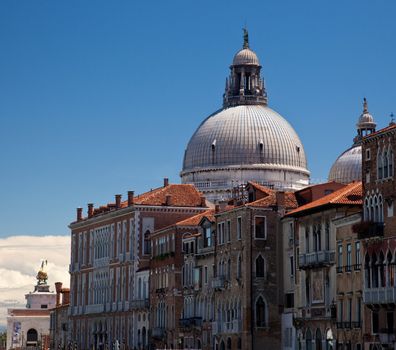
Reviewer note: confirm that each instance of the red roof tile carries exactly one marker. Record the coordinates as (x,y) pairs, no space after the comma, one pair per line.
(196,219)
(351,194)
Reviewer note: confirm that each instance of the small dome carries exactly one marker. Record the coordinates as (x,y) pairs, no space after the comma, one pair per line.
(348,166)
(366,120)
(245,57)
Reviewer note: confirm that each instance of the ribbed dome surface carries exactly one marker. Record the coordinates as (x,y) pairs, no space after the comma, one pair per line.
(245,56)
(245,135)
(348,166)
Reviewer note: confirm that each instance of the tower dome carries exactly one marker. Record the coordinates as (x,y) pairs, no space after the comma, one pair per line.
(245,140)
(348,166)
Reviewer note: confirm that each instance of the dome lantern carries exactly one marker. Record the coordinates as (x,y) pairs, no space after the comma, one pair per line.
(348,166)
(245,85)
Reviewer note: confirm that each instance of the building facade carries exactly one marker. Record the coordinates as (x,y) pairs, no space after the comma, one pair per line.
(31,326)
(377,232)
(59,319)
(110,264)
(315,243)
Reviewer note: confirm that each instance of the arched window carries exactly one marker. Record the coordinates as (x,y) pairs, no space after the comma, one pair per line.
(382,269)
(374,267)
(259,266)
(379,165)
(380,209)
(228,343)
(32,336)
(239,267)
(389,270)
(307,291)
(371,206)
(376,211)
(222,345)
(366,215)
(367,270)
(146,247)
(239,344)
(385,164)
(260,312)
(308,340)
(390,162)
(318,339)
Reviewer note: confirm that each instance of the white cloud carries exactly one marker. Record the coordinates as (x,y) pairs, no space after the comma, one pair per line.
(20,258)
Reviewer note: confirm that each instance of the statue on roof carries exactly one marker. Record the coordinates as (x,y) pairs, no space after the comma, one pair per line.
(245,38)
(42,276)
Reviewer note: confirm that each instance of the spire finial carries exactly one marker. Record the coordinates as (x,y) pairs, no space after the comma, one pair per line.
(365,108)
(245,38)
(392,121)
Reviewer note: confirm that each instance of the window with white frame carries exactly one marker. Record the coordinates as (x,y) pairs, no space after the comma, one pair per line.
(260,227)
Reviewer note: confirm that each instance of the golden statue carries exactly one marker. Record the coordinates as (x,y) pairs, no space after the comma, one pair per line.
(41,274)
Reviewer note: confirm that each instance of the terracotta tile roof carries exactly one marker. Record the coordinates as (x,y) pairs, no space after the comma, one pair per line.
(387,128)
(196,219)
(270,198)
(182,195)
(351,194)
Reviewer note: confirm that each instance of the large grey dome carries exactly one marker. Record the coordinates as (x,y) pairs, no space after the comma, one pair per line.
(246,140)
(245,135)
(348,166)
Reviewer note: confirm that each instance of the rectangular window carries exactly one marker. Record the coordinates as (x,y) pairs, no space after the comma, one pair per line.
(228,231)
(357,254)
(206,275)
(389,322)
(208,237)
(349,319)
(340,311)
(374,322)
(367,176)
(291,260)
(239,228)
(260,227)
(368,154)
(222,233)
(339,258)
(359,310)
(289,300)
(349,258)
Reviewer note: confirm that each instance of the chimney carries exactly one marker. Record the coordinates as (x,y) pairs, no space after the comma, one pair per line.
(90,210)
(203,201)
(66,296)
(118,201)
(58,289)
(168,200)
(79,214)
(217,208)
(223,205)
(130,198)
(166,182)
(280,198)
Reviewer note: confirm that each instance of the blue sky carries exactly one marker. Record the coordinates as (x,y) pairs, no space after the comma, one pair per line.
(101,97)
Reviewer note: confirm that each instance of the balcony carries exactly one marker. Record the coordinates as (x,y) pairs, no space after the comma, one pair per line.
(316,259)
(379,296)
(367,229)
(158,332)
(190,322)
(387,336)
(94,309)
(160,290)
(218,282)
(203,247)
(139,304)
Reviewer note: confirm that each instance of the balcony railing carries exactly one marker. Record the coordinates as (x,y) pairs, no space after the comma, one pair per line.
(190,322)
(218,282)
(158,332)
(139,304)
(315,259)
(234,326)
(94,308)
(379,296)
(367,229)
